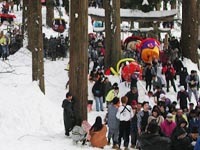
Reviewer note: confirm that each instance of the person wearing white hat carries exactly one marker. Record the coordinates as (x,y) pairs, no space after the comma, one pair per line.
(183,98)
(168,125)
(164,99)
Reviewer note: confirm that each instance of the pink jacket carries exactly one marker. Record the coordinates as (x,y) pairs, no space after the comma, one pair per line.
(167,128)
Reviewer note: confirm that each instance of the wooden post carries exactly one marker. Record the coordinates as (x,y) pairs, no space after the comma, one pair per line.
(78,73)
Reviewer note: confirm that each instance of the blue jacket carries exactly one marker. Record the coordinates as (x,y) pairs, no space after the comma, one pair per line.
(197,145)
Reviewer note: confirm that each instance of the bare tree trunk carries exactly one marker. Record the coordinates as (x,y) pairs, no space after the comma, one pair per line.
(36,42)
(40,48)
(24,16)
(189,34)
(116,50)
(78,74)
(112,27)
(66,5)
(108,36)
(50,12)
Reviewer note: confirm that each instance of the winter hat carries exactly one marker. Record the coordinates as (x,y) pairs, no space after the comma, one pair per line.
(182,88)
(169,115)
(115,100)
(162,95)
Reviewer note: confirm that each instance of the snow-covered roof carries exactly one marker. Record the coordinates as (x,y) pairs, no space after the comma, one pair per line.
(135,15)
(151,29)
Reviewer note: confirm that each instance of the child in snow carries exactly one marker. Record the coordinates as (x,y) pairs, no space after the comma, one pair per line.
(78,133)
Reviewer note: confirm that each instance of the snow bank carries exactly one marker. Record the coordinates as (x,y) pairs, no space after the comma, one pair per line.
(22,113)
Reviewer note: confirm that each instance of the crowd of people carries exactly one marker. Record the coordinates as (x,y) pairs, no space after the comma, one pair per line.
(155,123)
(9,43)
(55,47)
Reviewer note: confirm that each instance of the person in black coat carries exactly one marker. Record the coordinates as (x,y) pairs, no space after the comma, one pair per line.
(68,113)
(178,66)
(183,75)
(132,95)
(152,140)
(98,92)
(180,139)
(183,97)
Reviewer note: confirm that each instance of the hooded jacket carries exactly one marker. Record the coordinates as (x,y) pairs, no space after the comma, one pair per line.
(149,141)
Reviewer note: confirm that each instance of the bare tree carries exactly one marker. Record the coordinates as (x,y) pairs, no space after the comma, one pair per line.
(189,33)
(50,12)
(24,16)
(35,41)
(112,27)
(78,73)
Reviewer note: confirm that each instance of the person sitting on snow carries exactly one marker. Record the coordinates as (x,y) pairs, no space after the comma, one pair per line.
(78,132)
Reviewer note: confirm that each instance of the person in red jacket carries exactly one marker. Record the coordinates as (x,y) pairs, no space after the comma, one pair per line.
(169,72)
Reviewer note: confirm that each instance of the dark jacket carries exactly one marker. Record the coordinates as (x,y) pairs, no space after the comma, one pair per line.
(154,142)
(183,75)
(68,114)
(178,65)
(131,96)
(98,89)
(180,144)
(182,97)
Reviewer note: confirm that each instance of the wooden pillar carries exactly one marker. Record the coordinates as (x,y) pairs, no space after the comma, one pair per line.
(78,73)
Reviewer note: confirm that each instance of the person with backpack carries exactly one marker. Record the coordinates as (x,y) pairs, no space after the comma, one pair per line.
(124,114)
(98,92)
